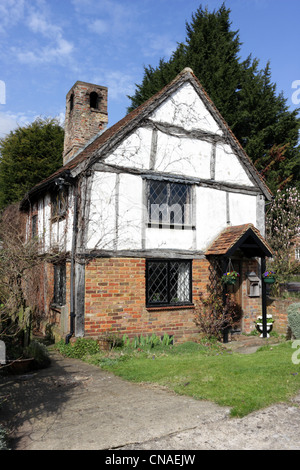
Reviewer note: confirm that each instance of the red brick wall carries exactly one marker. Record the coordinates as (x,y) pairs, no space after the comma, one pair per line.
(38,292)
(278,309)
(115,301)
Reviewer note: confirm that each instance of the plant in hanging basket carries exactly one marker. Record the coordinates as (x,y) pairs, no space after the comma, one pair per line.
(230,277)
(269,277)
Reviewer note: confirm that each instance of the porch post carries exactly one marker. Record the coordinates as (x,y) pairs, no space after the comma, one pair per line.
(226,330)
(264,298)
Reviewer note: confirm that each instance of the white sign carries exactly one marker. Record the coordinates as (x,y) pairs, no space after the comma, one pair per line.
(2,352)
(2,92)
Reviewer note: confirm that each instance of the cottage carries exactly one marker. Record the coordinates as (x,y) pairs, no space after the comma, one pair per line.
(146,214)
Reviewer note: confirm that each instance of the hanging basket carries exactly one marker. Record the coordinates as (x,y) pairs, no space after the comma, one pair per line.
(230,281)
(268,277)
(269,280)
(230,276)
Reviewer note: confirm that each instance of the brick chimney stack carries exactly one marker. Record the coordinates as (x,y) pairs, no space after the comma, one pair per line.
(86,116)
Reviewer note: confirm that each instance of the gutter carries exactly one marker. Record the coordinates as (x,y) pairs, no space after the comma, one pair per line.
(72,275)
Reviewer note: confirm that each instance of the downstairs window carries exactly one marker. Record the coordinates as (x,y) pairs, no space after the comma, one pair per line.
(168,282)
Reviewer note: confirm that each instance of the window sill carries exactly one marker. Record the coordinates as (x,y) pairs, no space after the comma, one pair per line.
(96,110)
(56,218)
(56,307)
(169,307)
(170,226)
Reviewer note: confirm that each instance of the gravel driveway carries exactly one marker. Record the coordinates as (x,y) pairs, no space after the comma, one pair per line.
(76,406)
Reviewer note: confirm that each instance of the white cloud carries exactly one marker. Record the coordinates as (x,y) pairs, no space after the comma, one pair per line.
(10,121)
(108,16)
(119,84)
(11,12)
(56,47)
(38,23)
(98,26)
(159,44)
(60,51)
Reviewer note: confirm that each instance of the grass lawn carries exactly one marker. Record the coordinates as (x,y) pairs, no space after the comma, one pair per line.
(244,382)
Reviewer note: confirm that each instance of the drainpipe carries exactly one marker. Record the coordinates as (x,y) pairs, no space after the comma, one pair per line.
(72,274)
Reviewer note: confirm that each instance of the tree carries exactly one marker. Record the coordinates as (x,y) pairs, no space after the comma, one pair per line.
(17,257)
(282,227)
(28,155)
(267,129)
(244,95)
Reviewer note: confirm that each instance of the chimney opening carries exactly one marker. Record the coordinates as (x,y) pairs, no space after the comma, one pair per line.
(94,100)
(71,102)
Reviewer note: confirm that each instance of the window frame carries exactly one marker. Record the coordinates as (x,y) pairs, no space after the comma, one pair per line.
(34,225)
(59,203)
(169,224)
(169,303)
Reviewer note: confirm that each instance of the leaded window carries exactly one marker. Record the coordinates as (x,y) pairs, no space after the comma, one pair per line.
(59,296)
(34,231)
(59,201)
(169,204)
(169,282)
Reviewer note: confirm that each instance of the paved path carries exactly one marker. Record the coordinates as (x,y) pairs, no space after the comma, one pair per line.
(77,406)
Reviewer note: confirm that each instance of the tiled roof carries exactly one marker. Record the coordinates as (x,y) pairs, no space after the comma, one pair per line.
(230,237)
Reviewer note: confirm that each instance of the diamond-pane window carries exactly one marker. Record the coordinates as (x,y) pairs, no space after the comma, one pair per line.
(59,200)
(169,282)
(169,203)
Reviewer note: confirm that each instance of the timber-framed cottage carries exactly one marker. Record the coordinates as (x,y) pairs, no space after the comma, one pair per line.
(144,212)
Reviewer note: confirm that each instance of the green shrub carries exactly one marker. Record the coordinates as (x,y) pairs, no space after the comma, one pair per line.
(294,319)
(147,342)
(78,350)
(3,438)
(40,354)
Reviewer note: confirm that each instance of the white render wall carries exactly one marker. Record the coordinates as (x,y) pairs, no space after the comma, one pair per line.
(118,215)
(181,155)
(52,234)
(118,218)
(228,168)
(185,109)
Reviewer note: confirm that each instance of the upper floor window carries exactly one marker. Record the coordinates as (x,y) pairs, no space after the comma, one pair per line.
(169,204)
(59,200)
(297,254)
(34,231)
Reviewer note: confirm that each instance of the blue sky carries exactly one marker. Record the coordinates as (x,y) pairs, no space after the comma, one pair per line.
(47,45)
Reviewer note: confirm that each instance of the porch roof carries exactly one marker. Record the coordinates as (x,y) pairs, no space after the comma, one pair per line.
(245,237)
